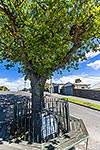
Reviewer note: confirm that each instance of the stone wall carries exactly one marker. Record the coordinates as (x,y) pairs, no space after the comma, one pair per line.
(85,93)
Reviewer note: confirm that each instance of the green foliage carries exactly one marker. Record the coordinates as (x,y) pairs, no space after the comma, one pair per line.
(78,80)
(45,36)
(47,87)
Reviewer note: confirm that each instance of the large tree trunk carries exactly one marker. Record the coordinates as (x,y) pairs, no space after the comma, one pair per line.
(37,90)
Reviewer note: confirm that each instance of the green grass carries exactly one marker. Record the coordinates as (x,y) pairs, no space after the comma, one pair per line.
(87,104)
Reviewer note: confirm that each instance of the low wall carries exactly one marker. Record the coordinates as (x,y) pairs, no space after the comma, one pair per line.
(85,93)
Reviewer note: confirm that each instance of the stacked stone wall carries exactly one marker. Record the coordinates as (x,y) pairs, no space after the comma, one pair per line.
(85,93)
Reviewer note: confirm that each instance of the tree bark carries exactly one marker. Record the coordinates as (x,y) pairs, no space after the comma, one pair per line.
(37,90)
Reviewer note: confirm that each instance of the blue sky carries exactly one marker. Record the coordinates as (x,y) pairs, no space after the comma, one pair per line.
(86,67)
(11,74)
(88,72)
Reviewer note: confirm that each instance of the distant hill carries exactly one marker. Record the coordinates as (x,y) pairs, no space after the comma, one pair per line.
(4,88)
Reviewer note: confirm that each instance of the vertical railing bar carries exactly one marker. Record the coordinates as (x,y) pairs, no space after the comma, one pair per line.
(29,126)
(63,114)
(25,130)
(16,122)
(67,116)
(15,116)
(56,107)
(53,105)
(60,113)
(21,119)
(46,128)
(48,103)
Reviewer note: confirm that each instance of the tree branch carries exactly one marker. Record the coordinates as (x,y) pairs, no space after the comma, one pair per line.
(1,9)
(75,33)
(67,58)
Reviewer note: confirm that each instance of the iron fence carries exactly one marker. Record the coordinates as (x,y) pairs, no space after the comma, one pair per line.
(16,118)
(59,108)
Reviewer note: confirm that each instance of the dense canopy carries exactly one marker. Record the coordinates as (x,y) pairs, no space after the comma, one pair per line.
(45,35)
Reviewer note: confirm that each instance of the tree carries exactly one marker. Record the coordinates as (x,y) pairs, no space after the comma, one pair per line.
(45,36)
(47,87)
(78,80)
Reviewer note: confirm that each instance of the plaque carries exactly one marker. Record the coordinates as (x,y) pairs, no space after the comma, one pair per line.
(49,126)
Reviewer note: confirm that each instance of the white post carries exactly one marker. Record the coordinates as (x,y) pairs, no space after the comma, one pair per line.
(51,86)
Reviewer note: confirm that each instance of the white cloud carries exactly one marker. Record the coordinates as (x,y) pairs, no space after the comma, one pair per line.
(15,85)
(95,65)
(89,55)
(92,54)
(3,80)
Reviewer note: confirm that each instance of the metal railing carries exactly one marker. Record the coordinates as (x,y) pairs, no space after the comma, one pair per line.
(60,108)
(16,118)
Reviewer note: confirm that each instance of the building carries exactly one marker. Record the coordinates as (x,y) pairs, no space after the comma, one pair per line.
(81,86)
(56,88)
(68,88)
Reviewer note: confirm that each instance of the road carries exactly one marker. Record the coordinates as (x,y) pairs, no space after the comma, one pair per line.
(91,119)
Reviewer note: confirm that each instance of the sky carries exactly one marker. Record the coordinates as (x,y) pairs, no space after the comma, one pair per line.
(88,72)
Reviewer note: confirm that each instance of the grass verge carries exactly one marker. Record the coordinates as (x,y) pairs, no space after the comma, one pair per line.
(86,104)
